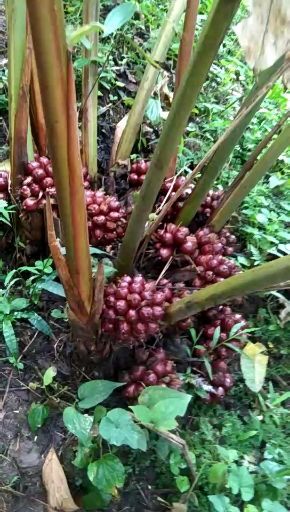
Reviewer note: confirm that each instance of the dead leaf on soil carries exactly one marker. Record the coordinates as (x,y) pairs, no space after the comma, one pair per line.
(55,483)
(179,507)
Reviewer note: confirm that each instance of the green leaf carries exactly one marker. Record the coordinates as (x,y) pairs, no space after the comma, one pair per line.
(228,455)
(53,287)
(163,414)
(107,473)
(118,16)
(37,416)
(254,365)
(118,428)
(216,336)
(218,473)
(78,424)
(153,394)
(182,483)
(221,503)
(241,481)
(275,472)
(40,324)
(10,338)
(99,412)
(96,500)
(83,457)
(281,398)
(142,413)
(49,375)
(236,328)
(78,35)
(162,448)
(272,506)
(18,304)
(250,508)
(96,391)
(153,111)
(208,367)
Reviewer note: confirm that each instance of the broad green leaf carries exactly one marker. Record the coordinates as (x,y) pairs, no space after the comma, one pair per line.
(96,500)
(254,365)
(222,503)
(182,483)
(78,424)
(153,394)
(250,508)
(10,338)
(37,416)
(49,375)
(53,287)
(118,428)
(77,35)
(40,324)
(96,391)
(118,16)
(107,473)
(272,506)
(236,329)
(176,462)
(142,413)
(4,306)
(163,414)
(18,304)
(241,481)
(83,457)
(278,475)
(218,473)
(216,336)
(99,412)
(228,455)
(162,448)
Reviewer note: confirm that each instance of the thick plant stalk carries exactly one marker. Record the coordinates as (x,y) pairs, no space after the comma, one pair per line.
(57,91)
(184,56)
(36,111)
(205,51)
(218,160)
(91,13)
(250,180)
(19,55)
(254,280)
(148,81)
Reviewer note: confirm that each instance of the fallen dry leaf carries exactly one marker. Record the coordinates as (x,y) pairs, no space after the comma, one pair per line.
(117,137)
(55,483)
(179,507)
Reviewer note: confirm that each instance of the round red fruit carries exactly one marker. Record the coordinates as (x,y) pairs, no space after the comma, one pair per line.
(150,378)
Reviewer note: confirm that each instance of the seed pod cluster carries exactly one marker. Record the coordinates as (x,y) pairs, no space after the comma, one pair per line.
(172,238)
(211,202)
(38,181)
(3,185)
(137,173)
(107,218)
(134,308)
(219,355)
(152,369)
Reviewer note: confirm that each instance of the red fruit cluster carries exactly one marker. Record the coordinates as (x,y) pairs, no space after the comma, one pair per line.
(106,218)
(3,185)
(152,369)
(137,173)
(172,238)
(171,186)
(134,308)
(38,181)
(211,202)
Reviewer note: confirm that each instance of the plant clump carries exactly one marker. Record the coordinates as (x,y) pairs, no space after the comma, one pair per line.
(107,218)
(152,368)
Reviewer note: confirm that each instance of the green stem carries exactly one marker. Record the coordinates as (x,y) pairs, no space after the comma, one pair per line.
(148,81)
(220,157)
(250,281)
(238,193)
(91,13)
(203,56)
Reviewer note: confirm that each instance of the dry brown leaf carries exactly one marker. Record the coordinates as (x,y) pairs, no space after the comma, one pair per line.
(264,35)
(117,137)
(55,483)
(179,507)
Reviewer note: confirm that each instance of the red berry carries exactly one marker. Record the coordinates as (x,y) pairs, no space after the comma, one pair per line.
(137,373)
(159,368)
(150,378)
(38,174)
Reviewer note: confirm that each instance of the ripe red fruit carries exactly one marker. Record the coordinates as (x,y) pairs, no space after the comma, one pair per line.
(134,300)
(137,373)
(188,247)
(24,191)
(159,354)
(228,381)
(150,378)
(132,316)
(38,174)
(35,189)
(145,313)
(219,366)
(30,204)
(132,390)
(124,329)
(46,183)
(3,184)
(180,235)
(121,307)
(139,329)
(158,312)
(159,368)
(152,328)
